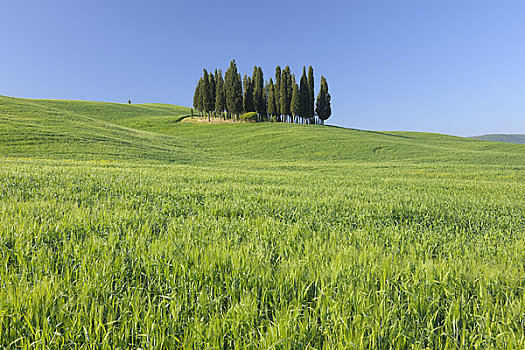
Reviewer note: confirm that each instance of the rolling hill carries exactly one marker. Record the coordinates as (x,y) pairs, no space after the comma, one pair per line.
(96,130)
(123,228)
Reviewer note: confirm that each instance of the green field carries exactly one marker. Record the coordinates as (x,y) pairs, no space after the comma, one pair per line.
(122,228)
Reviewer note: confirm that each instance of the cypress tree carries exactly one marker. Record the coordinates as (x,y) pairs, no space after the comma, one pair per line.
(201,97)
(220,100)
(197,97)
(233,89)
(285,95)
(294,106)
(248,94)
(206,93)
(238,92)
(258,91)
(264,110)
(283,108)
(254,81)
(290,81)
(311,94)
(227,88)
(212,91)
(277,91)
(303,96)
(271,98)
(322,108)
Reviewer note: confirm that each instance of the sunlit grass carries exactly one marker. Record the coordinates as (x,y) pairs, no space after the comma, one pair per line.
(422,246)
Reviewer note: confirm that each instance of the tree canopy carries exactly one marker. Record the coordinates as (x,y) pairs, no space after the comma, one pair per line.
(323,108)
(233,90)
(284,99)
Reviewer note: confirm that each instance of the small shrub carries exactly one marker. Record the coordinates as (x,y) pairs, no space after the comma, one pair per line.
(249,117)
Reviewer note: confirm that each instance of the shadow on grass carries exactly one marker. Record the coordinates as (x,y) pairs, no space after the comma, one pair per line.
(370,131)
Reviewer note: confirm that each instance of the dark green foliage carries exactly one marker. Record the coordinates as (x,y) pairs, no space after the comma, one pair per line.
(322,107)
(258,91)
(277,91)
(303,96)
(207,96)
(212,87)
(201,95)
(283,107)
(264,110)
(295,99)
(285,99)
(276,96)
(227,88)
(233,89)
(290,81)
(240,90)
(271,99)
(220,99)
(311,95)
(248,95)
(285,92)
(197,96)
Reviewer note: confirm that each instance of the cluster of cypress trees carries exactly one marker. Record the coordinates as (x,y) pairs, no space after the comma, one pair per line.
(284,100)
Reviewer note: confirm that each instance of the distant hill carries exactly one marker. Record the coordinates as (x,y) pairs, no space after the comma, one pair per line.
(508,138)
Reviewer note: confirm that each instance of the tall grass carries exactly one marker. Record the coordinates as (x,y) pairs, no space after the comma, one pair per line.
(121,228)
(255,254)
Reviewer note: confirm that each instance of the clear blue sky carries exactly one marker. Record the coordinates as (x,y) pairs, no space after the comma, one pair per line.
(448,66)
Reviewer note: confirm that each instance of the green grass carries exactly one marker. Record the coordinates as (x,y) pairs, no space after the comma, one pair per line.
(121,228)
(111,131)
(86,130)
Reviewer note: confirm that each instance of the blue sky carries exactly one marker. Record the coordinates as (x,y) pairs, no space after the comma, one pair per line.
(454,67)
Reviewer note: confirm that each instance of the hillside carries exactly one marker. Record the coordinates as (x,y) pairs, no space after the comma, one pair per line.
(85,130)
(122,228)
(110,131)
(508,138)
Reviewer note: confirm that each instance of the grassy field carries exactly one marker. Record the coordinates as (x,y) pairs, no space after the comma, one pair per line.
(122,228)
